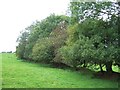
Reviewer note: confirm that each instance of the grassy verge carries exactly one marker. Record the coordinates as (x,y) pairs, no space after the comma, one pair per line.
(0,71)
(19,74)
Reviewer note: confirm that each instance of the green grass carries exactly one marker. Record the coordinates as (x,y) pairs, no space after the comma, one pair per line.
(19,74)
(0,71)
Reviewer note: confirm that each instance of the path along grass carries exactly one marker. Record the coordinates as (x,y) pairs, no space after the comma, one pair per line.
(19,74)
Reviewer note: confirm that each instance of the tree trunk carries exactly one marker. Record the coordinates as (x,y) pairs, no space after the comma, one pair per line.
(109,67)
(101,67)
(84,63)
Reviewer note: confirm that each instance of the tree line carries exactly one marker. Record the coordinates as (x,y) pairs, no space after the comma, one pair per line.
(89,36)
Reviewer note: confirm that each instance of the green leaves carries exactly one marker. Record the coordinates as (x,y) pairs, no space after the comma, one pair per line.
(81,11)
(36,31)
(43,51)
(92,41)
(86,37)
(20,49)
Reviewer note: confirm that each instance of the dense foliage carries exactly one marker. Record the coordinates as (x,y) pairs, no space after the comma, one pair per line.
(38,30)
(88,37)
(95,44)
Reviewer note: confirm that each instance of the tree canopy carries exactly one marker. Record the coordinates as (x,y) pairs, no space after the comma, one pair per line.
(88,37)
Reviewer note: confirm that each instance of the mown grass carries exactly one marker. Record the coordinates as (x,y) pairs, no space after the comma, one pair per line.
(0,71)
(19,74)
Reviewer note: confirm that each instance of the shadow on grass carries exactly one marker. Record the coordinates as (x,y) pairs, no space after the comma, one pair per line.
(106,75)
(85,71)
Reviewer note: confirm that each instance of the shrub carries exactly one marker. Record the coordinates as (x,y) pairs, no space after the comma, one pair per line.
(43,51)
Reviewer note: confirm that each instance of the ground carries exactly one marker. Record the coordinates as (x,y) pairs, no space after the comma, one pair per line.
(20,74)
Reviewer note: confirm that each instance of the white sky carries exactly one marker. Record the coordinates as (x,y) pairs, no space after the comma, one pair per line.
(15,15)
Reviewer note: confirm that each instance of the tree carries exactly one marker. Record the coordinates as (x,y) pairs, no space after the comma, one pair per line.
(46,49)
(95,44)
(91,38)
(97,10)
(34,31)
(81,12)
(39,30)
(43,51)
(20,49)
(58,37)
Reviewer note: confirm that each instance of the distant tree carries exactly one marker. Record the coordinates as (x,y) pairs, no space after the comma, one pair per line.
(9,52)
(3,52)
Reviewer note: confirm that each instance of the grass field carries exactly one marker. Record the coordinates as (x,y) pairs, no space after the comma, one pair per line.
(19,74)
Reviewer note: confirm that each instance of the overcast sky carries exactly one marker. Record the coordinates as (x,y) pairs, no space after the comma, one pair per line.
(15,15)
